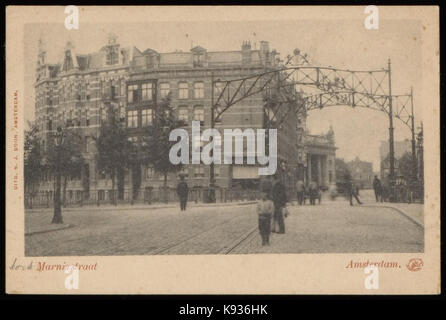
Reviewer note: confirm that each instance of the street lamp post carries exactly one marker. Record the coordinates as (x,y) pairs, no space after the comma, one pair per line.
(391,140)
(58,140)
(414,155)
(211,197)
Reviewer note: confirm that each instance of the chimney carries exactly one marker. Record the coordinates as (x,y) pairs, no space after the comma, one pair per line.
(246,52)
(264,53)
(246,46)
(264,46)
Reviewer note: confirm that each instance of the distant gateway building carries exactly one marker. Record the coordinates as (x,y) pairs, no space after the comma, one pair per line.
(78,90)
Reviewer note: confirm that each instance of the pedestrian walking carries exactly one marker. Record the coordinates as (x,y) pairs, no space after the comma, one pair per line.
(352,191)
(280,199)
(300,188)
(265,210)
(377,187)
(183,192)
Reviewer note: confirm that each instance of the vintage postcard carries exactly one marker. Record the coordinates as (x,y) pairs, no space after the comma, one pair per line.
(222,150)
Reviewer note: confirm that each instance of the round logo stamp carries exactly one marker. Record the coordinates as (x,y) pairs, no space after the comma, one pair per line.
(415,264)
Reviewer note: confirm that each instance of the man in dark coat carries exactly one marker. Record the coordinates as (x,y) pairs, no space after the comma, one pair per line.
(279,199)
(352,190)
(377,187)
(314,192)
(182,191)
(300,188)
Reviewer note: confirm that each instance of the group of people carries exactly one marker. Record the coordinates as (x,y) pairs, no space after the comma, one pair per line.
(271,209)
(313,192)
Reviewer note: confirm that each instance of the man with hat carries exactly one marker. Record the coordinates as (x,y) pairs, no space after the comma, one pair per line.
(182,191)
(279,199)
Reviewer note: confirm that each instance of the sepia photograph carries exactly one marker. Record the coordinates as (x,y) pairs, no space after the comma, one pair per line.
(266,136)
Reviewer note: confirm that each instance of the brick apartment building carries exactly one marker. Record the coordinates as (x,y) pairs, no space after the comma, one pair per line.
(79,89)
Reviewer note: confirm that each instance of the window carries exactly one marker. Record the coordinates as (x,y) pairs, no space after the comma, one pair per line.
(103,114)
(199,90)
(121,112)
(150,173)
(132,119)
(198,59)
(183,113)
(113,92)
(132,93)
(102,174)
(199,113)
(216,171)
(184,172)
(197,143)
(83,92)
(133,139)
(112,55)
(147,91)
(164,90)
(122,86)
(146,118)
(217,143)
(50,125)
(183,90)
(199,171)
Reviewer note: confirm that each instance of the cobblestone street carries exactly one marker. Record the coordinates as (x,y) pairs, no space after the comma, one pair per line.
(332,227)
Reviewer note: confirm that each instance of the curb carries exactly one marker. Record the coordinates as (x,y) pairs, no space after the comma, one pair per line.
(400,212)
(49,230)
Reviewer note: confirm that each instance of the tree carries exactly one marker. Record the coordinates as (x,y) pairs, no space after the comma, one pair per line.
(64,160)
(342,170)
(156,141)
(74,159)
(32,161)
(406,166)
(113,147)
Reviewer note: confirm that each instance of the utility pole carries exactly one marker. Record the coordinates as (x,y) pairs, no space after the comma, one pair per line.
(58,141)
(212,168)
(414,156)
(391,140)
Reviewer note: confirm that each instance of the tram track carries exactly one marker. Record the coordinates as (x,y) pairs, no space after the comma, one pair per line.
(176,244)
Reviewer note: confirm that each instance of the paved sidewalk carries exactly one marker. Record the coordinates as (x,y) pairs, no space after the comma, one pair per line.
(337,227)
(413,211)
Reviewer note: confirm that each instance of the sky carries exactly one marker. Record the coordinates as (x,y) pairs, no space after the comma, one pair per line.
(338,43)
